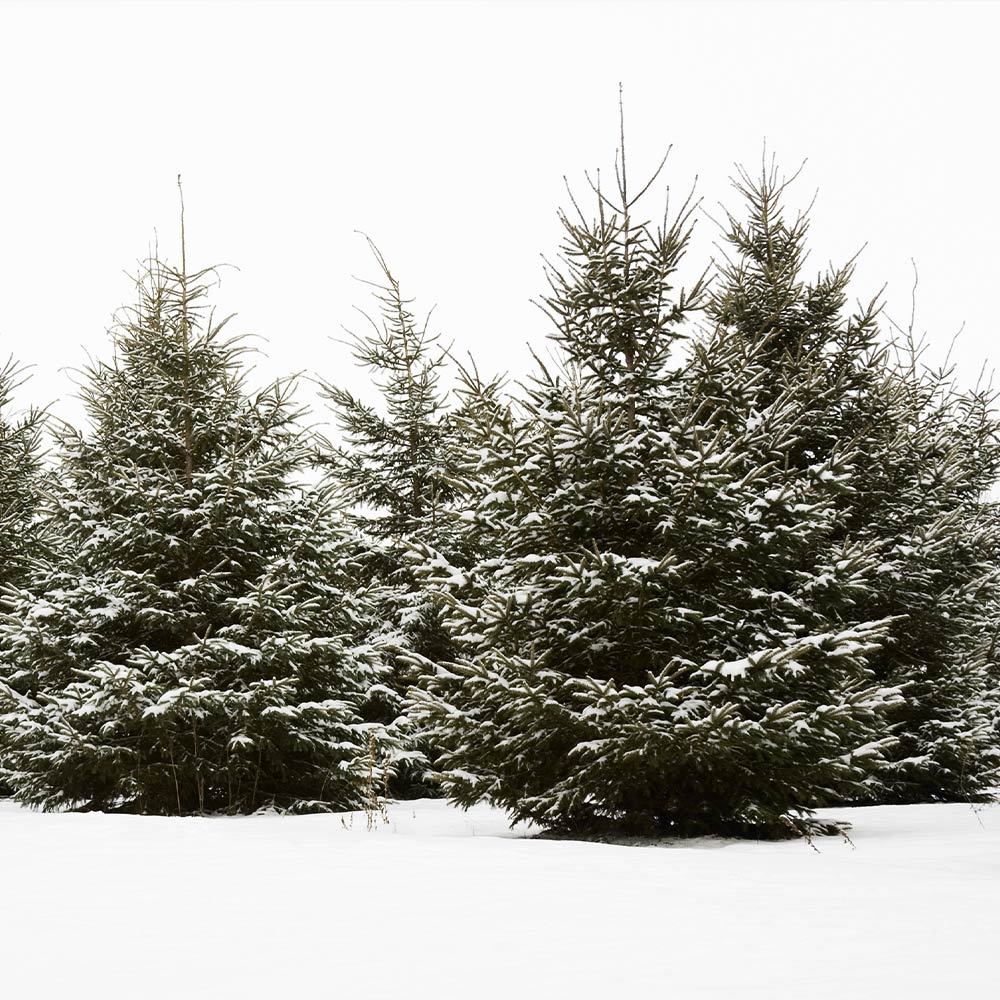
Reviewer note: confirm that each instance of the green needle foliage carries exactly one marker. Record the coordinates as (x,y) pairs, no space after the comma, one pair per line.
(19,482)
(396,466)
(398,475)
(21,543)
(200,642)
(728,556)
(671,640)
(926,455)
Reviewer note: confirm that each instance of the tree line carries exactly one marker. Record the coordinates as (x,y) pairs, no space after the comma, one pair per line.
(727,555)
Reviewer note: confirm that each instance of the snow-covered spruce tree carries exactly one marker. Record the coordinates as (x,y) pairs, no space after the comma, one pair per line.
(20,541)
(199,644)
(397,473)
(926,457)
(925,497)
(397,468)
(19,470)
(657,649)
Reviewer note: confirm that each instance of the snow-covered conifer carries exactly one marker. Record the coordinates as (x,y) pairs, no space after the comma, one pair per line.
(397,472)
(19,490)
(926,455)
(397,467)
(200,643)
(19,469)
(655,649)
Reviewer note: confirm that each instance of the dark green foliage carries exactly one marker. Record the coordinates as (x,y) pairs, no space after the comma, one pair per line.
(20,538)
(690,577)
(399,478)
(396,466)
(397,473)
(926,501)
(926,456)
(671,639)
(199,643)
(19,482)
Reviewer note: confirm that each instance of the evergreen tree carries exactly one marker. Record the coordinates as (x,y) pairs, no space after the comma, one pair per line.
(20,539)
(19,485)
(397,472)
(670,641)
(396,465)
(926,456)
(200,642)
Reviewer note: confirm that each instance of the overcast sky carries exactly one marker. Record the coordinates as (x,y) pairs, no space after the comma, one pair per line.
(445,130)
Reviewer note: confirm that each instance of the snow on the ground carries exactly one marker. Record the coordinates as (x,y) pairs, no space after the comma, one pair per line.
(444,904)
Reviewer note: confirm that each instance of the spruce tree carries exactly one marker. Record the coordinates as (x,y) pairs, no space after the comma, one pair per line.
(20,538)
(670,641)
(925,498)
(19,482)
(927,454)
(398,473)
(200,642)
(396,465)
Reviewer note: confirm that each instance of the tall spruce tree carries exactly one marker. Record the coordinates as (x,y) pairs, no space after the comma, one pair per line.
(671,640)
(926,457)
(200,643)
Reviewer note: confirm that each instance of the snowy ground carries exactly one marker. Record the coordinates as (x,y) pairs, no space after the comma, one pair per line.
(445,904)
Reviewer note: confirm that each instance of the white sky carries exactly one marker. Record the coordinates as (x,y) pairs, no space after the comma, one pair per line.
(444,131)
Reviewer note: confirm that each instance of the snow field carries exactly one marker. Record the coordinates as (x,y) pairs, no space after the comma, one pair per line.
(443,904)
